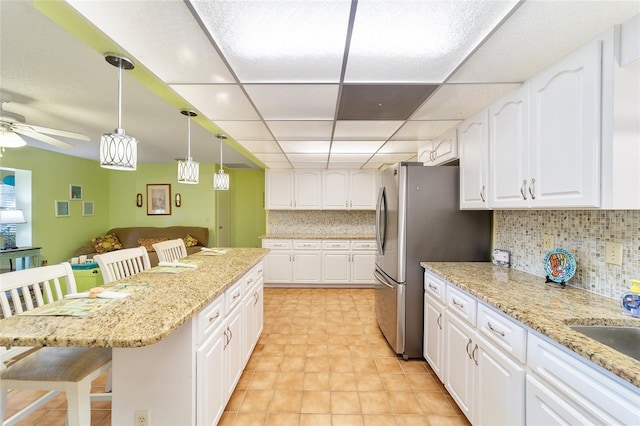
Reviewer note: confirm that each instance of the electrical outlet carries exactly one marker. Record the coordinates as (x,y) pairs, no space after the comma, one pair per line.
(613,253)
(45,262)
(142,418)
(549,243)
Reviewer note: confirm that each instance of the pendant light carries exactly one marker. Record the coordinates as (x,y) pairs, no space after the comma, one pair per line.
(117,150)
(188,170)
(221,179)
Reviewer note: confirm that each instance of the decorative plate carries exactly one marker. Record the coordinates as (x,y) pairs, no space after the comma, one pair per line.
(559,265)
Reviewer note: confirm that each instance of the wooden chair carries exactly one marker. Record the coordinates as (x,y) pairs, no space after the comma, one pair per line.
(170,250)
(53,369)
(120,264)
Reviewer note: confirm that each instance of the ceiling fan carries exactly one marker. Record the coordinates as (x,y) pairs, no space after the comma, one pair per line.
(13,125)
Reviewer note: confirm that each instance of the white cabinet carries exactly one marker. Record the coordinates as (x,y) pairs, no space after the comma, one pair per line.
(566,131)
(293,189)
(253,309)
(306,262)
(349,189)
(277,264)
(233,359)
(336,262)
(473,140)
(545,408)
(433,344)
(210,364)
(459,376)
(363,261)
(439,151)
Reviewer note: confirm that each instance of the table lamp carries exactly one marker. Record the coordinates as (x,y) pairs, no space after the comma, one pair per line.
(10,217)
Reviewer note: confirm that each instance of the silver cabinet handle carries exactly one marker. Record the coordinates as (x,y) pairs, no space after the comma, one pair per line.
(250,280)
(495,330)
(523,191)
(467,348)
(346,204)
(217,315)
(473,354)
(439,321)
(226,338)
(235,296)
(433,287)
(458,304)
(532,189)
(482,194)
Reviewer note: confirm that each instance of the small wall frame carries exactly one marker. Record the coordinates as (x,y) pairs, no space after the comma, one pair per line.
(62,208)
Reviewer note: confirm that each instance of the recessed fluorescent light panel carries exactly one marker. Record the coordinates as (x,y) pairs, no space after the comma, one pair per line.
(426,43)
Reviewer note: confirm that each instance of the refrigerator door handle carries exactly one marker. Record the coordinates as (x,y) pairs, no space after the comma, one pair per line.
(381,279)
(381,221)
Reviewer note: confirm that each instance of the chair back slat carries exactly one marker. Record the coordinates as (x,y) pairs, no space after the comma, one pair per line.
(119,264)
(170,250)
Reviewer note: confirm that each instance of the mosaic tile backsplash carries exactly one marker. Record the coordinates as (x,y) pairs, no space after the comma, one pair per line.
(352,222)
(581,232)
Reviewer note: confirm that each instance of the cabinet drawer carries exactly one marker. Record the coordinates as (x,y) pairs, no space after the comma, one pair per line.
(248,281)
(233,295)
(335,245)
(259,270)
(594,392)
(307,244)
(209,318)
(363,245)
(505,332)
(277,244)
(463,304)
(434,286)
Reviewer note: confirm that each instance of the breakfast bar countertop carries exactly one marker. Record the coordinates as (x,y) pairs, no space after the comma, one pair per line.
(546,308)
(318,237)
(143,318)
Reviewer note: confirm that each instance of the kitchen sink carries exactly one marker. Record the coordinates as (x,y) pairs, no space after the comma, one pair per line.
(623,339)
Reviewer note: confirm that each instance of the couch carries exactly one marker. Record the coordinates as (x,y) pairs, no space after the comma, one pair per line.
(130,237)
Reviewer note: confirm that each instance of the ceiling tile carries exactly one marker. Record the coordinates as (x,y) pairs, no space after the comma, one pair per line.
(365,129)
(271,157)
(168,40)
(301,158)
(459,101)
(295,101)
(424,130)
(372,165)
(277,165)
(305,147)
(355,147)
(301,130)
(391,158)
(349,157)
(245,130)
(261,146)
(381,101)
(310,165)
(218,102)
(399,147)
(426,43)
(283,41)
(345,165)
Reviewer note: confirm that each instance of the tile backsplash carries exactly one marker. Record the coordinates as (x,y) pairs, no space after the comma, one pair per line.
(581,232)
(321,222)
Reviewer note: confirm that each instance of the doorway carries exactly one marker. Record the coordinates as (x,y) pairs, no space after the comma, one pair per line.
(222,219)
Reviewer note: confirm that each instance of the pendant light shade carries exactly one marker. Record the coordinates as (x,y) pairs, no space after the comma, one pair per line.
(119,151)
(221,179)
(188,170)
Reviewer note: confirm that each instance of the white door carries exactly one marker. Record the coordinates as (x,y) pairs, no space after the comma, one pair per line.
(307,266)
(308,190)
(279,189)
(335,267)
(335,189)
(222,219)
(433,345)
(566,131)
(234,361)
(210,368)
(445,148)
(277,266)
(363,190)
(509,150)
(473,139)
(459,367)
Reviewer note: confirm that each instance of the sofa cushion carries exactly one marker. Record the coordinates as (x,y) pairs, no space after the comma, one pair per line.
(109,242)
(149,242)
(190,241)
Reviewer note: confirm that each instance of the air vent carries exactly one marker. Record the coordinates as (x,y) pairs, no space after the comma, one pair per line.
(236,166)
(382,101)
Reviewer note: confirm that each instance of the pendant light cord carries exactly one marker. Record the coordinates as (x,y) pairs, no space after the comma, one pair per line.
(119,95)
(221,154)
(188,137)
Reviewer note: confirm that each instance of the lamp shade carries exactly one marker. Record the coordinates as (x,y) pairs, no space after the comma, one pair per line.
(118,151)
(11,216)
(10,139)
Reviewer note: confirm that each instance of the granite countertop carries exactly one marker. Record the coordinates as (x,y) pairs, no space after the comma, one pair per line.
(143,318)
(318,237)
(546,308)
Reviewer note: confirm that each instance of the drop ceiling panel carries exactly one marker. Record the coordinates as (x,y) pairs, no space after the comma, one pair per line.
(391,158)
(295,101)
(365,129)
(218,102)
(278,165)
(355,147)
(167,41)
(310,165)
(424,130)
(301,130)
(538,34)
(271,157)
(261,146)
(381,101)
(344,165)
(305,147)
(399,147)
(426,42)
(304,158)
(359,158)
(245,130)
(459,101)
(284,41)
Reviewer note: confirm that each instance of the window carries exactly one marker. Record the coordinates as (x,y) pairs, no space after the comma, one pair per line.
(8,201)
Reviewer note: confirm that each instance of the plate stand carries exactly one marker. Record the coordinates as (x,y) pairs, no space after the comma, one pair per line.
(562,283)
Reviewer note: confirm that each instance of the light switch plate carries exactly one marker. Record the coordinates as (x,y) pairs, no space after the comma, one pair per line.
(549,243)
(613,253)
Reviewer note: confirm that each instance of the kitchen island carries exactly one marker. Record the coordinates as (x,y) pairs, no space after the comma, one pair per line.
(156,334)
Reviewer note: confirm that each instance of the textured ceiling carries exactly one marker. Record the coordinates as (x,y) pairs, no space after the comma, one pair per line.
(304,84)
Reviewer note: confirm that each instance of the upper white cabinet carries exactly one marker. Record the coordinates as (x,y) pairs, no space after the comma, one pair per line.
(441,150)
(348,189)
(566,131)
(473,138)
(293,189)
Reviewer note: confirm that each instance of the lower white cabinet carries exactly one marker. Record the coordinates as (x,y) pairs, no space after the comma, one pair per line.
(459,375)
(545,408)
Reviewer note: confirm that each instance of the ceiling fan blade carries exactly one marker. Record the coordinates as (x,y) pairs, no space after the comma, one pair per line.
(54,132)
(42,138)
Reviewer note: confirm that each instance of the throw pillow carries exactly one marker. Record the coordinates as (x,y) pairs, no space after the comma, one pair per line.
(190,241)
(106,243)
(148,242)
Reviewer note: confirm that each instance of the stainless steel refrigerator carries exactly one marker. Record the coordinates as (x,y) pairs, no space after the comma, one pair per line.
(418,218)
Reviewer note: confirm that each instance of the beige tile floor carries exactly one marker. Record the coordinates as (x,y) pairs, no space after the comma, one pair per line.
(321,360)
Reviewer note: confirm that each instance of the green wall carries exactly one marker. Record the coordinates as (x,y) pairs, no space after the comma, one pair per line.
(114,196)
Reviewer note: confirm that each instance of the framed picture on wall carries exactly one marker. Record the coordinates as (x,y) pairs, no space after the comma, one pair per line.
(87,208)
(75,192)
(159,199)
(62,208)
